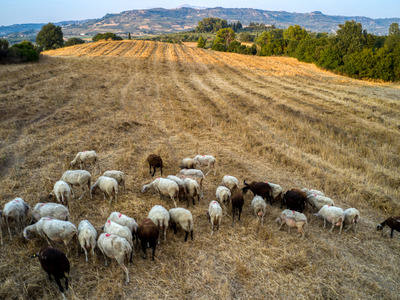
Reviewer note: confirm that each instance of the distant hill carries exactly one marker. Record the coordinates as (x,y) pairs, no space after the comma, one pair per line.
(184,18)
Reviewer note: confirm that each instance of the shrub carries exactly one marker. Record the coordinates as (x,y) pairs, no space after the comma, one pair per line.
(106,36)
(73,41)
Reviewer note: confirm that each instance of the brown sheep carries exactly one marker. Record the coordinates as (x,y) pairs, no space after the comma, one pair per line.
(259,188)
(295,199)
(155,161)
(392,222)
(237,203)
(148,233)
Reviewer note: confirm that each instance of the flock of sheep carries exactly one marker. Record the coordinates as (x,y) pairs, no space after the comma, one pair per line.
(51,220)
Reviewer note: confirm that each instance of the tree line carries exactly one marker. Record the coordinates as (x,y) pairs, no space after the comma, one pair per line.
(352,51)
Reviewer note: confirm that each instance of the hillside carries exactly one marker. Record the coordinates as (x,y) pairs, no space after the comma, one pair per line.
(263,118)
(160,20)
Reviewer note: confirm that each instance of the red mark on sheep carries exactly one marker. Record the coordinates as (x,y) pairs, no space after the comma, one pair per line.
(107,234)
(119,216)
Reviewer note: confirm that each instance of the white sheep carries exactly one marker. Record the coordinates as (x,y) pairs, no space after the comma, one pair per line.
(184,218)
(87,236)
(259,208)
(312,191)
(333,215)
(164,187)
(117,229)
(276,191)
(79,178)
(223,195)
(206,160)
(52,229)
(187,163)
(15,211)
(292,219)
(351,217)
(181,184)
(62,192)
(118,176)
(84,158)
(116,247)
(230,182)
(124,220)
(195,174)
(160,216)
(50,210)
(107,185)
(192,190)
(319,201)
(214,214)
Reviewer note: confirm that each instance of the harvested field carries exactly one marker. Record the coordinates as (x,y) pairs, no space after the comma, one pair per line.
(263,118)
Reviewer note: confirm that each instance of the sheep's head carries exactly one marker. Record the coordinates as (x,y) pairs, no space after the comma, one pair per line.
(26,234)
(379,227)
(145,188)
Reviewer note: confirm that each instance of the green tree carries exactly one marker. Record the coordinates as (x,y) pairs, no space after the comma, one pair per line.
(211,25)
(350,37)
(394,29)
(3,44)
(106,36)
(73,41)
(225,36)
(50,37)
(201,43)
(246,37)
(129,35)
(295,33)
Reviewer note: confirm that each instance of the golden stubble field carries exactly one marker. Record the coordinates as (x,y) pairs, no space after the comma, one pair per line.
(263,118)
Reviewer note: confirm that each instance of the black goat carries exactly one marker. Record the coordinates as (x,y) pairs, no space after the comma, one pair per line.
(54,262)
(259,188)
(294,199)
(155,161)
(392,222)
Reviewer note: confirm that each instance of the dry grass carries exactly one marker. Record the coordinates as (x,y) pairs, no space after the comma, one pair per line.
(263,118)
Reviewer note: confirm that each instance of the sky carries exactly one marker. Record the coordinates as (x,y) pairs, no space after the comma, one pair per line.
(44,11)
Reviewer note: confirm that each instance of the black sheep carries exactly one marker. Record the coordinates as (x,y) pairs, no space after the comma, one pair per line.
(54,262)
(155,161)
(294,199)
(259,188)
(392,222)
(237,203)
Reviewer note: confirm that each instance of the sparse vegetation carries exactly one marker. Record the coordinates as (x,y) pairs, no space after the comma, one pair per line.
(263,118)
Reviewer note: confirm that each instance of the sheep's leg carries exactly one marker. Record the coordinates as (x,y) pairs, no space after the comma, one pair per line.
(86,258)
(288,229)
(233,216)
(125,270)
(144,249)
(154,251)
(59,284)
(105,258)
(341,226)
(9,230)
(186,235)
(173,199)
(324,223)
(109,203)
(262,221)
(191,234)
(391,233)
(104,196)
(165,233)
(355,228)
(333,225)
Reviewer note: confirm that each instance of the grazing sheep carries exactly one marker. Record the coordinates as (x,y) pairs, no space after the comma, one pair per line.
(392,222)
(237,204)
(148,233)
(50,210)
(195,174)
(259,208)
(164,187)
(319,201)
(155,161)
(187,163)
(87,236)
(192,190)
(182,190)
(54,262)
(292,219)
(230,182)
(214,214)
(52,229)
(84,158)
(312,192)
(333,215)
(108,186)
(15,211)
(184,218)
(259,188)
(62,192)
(121,231)
(79,178)
(294,199)
(206,160)
(118,176)
(351,217)
(160,216)
(116,247)
(276,191)
(223,195)
(124,220)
